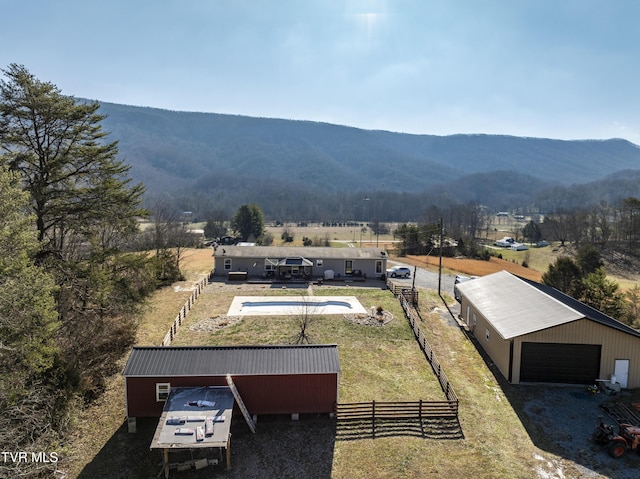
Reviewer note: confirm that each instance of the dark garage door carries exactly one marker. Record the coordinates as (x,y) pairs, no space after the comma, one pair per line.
(560,363)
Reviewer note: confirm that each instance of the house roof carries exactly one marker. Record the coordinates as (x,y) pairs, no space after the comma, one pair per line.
(516,306)
(299,251)
(158,361)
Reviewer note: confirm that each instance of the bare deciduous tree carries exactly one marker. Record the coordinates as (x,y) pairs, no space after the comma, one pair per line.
(304,319)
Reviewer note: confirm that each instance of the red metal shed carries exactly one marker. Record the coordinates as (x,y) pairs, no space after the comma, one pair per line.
(284,379)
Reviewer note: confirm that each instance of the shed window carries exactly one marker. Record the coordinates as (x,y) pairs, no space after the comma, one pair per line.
(227,264)
(162,391)
(378,267)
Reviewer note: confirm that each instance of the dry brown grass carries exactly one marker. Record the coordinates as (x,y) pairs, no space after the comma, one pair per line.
(101,420)
(473,266)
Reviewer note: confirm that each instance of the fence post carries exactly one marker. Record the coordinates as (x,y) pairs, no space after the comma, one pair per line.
(373,419)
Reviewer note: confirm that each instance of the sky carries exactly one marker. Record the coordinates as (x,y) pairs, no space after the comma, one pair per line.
(564,69)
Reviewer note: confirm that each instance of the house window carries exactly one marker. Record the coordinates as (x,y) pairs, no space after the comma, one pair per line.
(227,264)
(475,321)
(319,263)
(378,267)
(486,334)
(162,391)
(348,266)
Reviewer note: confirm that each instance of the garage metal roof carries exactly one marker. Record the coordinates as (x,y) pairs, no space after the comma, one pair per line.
(588,312)
(158,361)
(515,307)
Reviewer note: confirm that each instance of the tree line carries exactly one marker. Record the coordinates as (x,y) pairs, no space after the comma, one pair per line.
(591,240)
(71,282)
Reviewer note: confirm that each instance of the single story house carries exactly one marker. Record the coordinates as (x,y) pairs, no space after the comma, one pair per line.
(300,262)
(535,333)
(287,379)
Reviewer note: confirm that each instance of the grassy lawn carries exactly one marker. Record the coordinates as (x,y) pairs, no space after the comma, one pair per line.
(377,363)
(385,363)
(371,357)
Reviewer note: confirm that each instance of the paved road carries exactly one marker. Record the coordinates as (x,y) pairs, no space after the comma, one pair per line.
(427,279)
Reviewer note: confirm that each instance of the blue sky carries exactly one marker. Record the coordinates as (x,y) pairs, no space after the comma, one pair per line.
(541,68)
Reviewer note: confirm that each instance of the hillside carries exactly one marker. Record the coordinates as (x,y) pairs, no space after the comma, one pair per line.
(226,160)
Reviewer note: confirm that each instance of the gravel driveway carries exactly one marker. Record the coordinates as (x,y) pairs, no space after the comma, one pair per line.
(564,417)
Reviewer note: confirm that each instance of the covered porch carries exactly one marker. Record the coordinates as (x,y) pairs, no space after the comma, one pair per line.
(294,267)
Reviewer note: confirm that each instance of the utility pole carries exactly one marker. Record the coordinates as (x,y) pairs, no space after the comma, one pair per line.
(440,265)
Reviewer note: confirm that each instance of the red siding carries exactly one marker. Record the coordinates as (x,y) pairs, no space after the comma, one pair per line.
(277,394)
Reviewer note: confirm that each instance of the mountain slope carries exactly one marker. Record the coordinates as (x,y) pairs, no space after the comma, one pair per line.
(215,153)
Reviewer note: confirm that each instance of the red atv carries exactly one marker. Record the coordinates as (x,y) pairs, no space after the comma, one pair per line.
(627,438)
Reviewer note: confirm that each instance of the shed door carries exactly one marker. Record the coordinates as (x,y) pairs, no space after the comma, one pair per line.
(621,372)
(560,363)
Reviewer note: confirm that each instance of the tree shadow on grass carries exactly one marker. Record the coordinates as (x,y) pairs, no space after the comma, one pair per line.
(280,448)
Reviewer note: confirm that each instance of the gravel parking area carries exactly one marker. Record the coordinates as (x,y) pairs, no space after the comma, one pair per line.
(563,419)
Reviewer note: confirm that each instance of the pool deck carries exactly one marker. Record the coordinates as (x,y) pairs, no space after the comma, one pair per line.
(292,305)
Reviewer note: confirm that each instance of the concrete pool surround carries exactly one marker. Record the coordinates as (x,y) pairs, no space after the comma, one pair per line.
(294,305)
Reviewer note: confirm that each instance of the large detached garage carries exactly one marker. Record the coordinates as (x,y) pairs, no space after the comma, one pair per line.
(535,333)
(285,379)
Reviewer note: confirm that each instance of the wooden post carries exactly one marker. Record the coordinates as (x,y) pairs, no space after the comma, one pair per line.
(241,405)
(373,419)
(165,462)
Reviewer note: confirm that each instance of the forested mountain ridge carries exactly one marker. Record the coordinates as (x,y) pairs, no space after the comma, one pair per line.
(231,159)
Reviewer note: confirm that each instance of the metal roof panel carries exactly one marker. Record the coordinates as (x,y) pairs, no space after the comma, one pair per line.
(236,360)
(514,307)
(313,252)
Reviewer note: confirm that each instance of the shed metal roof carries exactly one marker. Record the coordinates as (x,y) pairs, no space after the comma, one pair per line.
(313,252)
(517,306)
(158,361)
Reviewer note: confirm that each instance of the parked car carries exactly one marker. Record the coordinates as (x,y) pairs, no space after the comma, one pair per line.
(460,279)
(398,272)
